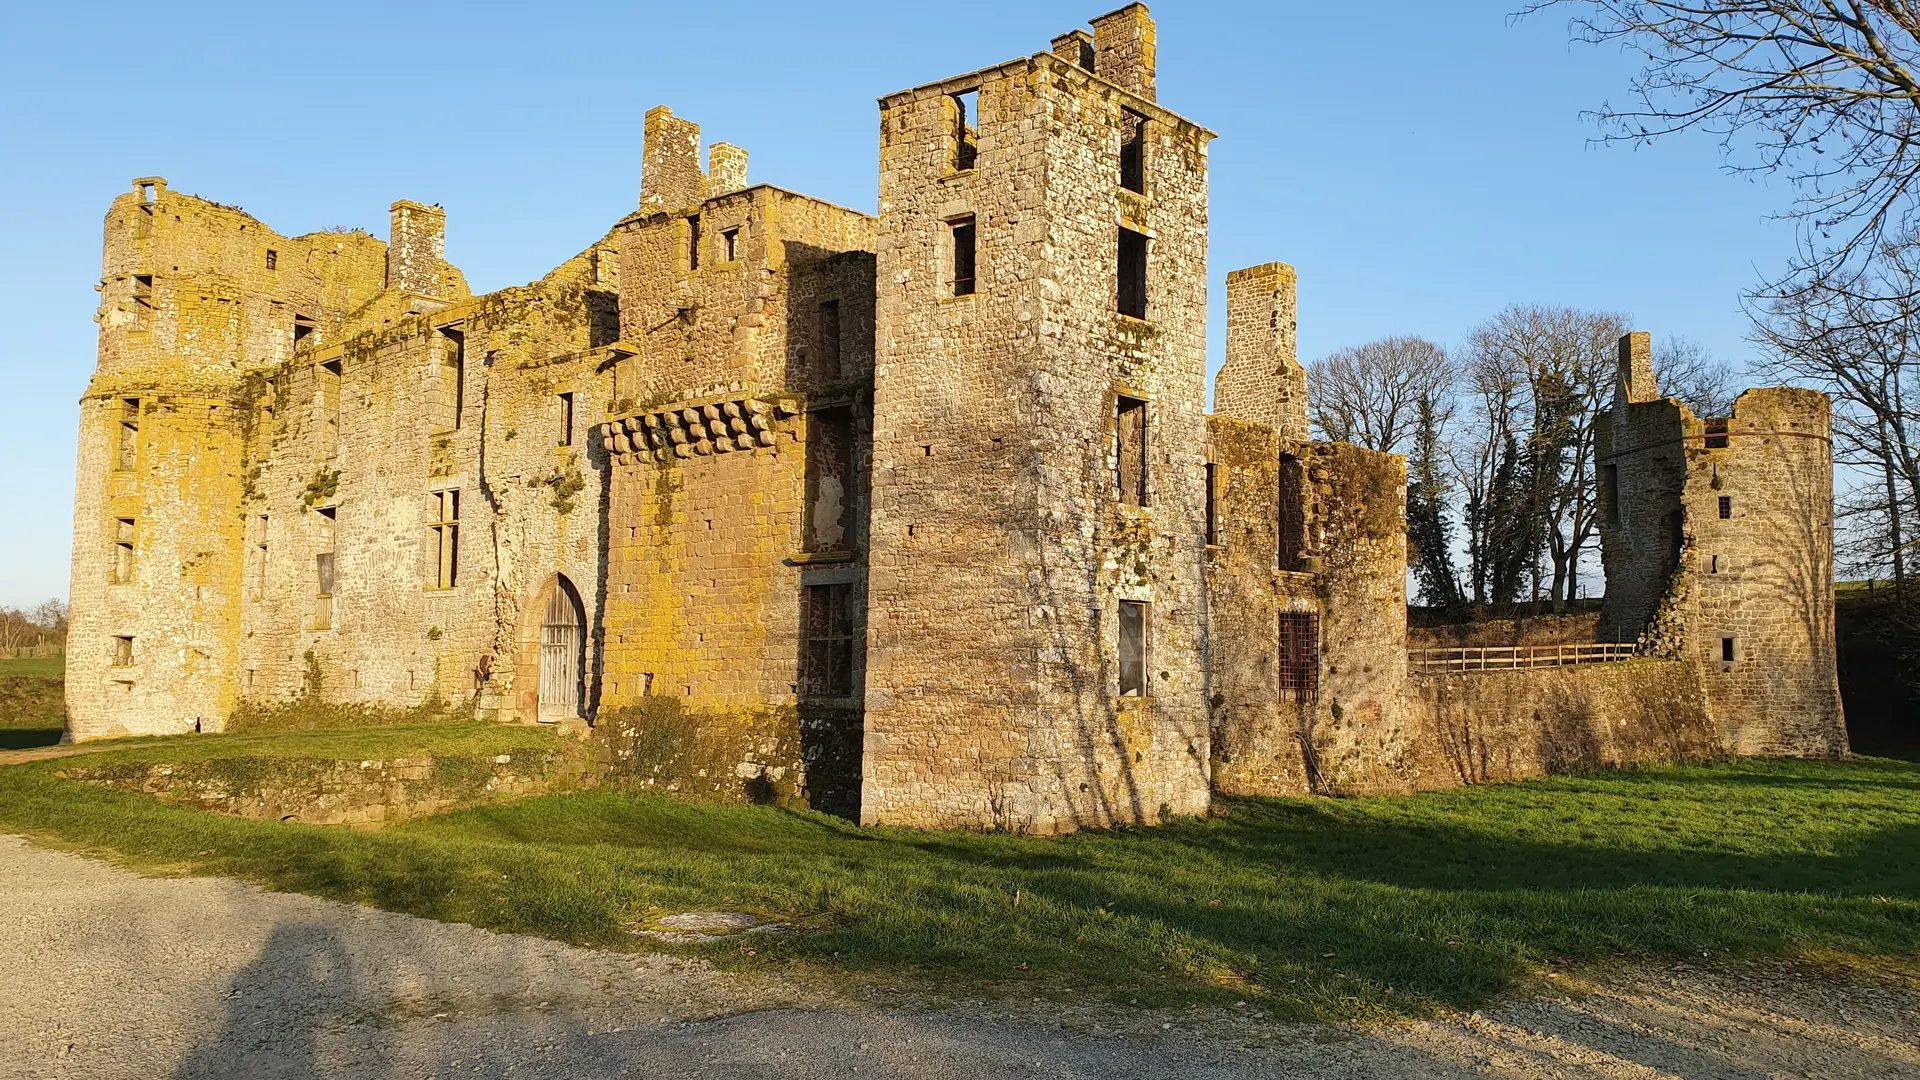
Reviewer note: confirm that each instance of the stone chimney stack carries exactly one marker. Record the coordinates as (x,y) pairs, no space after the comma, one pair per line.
(1076,48)
(1262,380)
(416,246)
(1637,382)
(670,176)
(726,169)
(1123,48)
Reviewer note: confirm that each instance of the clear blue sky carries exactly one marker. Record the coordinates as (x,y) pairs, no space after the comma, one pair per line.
(1423,164)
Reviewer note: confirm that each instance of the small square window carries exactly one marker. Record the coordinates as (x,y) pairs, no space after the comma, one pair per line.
(730,244)
(123,652)
(1716,434)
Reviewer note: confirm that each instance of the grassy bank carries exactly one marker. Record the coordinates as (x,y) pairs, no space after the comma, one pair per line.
(33,708)
(1310,907)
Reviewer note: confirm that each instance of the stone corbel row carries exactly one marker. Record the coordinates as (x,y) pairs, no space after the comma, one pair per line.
(689,432)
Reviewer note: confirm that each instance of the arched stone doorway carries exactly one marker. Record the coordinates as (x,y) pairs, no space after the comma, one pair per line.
(553,646)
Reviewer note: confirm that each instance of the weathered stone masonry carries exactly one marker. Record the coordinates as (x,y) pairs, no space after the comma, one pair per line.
(918,518)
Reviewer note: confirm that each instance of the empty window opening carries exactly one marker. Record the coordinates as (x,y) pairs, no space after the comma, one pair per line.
(453,375)
(1133,274)
(566,420)
(693,242)
(963,256)
(827,641)
(260,563)
(127,451)
(828,326)
(123,651)
(1291,512)
(323,569)
(829,479)
(443,528)
(1610,493)
(303,328)
(1728,652)
(1726,507)
(730,244)
(965,111)
(1133,151)
(273,259)
(146,193)
(1130,446)
(122,550)
(327,377)
(1213,504)
(1716,434)
(142,301)
(1133,649)
(1299,667)
(1713,566)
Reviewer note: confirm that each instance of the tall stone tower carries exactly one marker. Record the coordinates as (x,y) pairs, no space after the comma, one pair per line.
(196,299)
(1036,603)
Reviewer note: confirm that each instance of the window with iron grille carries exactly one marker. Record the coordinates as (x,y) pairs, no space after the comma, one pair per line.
(826,641)
(1300,656)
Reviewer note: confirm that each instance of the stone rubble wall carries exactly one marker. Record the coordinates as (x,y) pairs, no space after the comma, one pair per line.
(359,793)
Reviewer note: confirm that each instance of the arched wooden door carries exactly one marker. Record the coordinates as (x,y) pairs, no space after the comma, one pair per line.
(561,650)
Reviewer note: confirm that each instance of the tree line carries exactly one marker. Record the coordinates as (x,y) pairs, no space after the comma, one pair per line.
(1499,437)
(41,626)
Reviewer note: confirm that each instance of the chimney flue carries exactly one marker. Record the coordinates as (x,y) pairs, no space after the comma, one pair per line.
(416,246)
(1123,49)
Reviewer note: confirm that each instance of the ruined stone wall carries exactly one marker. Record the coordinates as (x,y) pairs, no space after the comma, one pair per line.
(1001,551)
(1500,726)
(1262,379)
(195,298)
(737,502)
(1759,554)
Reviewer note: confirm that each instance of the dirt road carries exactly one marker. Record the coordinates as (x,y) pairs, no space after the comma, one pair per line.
(108,974)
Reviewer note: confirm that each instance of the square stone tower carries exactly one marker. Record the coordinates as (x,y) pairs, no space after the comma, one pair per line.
(1036,603)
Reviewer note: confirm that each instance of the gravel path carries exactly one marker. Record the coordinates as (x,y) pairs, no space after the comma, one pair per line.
(107,974)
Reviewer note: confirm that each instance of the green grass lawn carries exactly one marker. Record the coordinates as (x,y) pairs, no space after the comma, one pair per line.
(1312,908)
(33,707)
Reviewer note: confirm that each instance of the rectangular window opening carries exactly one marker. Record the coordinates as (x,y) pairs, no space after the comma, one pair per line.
(1133,274)
(829,480)
(1728,652)
(966,131)
(123,533)
(730,244)
(303,328)
(1133,649)
(1133,151)
(443,509)
(1610,494)
(1716,434)
(693,242)
(1213,505)
(127,451)
(566,419)
(1726,507)
(827,641)
(123,651)
(963,256)
(453,375)
(327,376)
(142,301)
(1292,513)
(1130,434)
(1300,656)
(829,335)
(273,259)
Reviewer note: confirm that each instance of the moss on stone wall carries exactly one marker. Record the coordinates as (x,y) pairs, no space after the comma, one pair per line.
(801,756)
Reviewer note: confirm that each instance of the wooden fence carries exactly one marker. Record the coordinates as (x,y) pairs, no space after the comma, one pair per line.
(1514,657)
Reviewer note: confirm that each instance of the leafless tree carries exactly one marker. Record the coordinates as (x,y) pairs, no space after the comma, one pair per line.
(1538,376)
(1858,339)
(1825,93)
(1370,395)
(1688,372)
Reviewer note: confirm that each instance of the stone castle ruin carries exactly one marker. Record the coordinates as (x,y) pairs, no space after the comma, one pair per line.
(918,518)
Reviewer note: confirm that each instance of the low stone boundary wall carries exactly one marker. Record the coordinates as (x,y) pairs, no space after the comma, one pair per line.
(362,793)
(1494,726)
(800,756)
